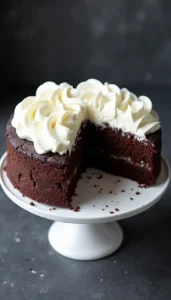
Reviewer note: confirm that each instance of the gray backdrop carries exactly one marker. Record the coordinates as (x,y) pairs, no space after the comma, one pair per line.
(124,41)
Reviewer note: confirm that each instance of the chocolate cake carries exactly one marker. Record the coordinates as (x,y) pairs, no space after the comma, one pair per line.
(54,135)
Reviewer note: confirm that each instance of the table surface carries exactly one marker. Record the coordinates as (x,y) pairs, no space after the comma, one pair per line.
(140,270)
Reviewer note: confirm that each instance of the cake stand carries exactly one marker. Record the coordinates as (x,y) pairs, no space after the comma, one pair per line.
(90,231)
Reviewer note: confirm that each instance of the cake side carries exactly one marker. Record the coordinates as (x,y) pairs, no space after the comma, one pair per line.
(49,178)
(124,154)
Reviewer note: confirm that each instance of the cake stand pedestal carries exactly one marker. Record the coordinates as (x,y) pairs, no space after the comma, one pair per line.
(91,231)
(85,241)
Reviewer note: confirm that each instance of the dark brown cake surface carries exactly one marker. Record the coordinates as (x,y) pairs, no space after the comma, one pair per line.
(51,178)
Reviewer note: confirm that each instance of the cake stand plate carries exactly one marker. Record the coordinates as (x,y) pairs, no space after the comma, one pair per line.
(90,230)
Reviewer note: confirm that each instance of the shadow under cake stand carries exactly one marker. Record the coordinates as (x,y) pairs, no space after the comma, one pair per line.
(90,231)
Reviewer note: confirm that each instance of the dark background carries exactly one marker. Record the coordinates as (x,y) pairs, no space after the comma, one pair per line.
(122,41)
(127,42)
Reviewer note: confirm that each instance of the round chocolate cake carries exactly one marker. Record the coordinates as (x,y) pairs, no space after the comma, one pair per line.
(54,135)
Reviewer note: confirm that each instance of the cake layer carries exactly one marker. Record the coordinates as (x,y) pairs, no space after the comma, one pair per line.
(124,167)
(49,178)
(113,142)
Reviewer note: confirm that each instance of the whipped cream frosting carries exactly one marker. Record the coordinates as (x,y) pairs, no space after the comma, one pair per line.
(52,118)
(120,108)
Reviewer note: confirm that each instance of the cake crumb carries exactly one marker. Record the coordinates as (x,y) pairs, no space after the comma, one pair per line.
(93,205)
(95,185)
(76,209)
(123,191)
(32,204)
(131,198)
(138,193)
(33,271)
(103,209)
(89,177)
(116,209)
(111,212)
(100,176)
(132,189)
(27,259)
(107,205)
(54,208)
(143,186)
(101,279)
(118,180)
(110,192)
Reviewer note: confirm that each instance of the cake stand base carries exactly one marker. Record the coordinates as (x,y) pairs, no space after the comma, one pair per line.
(85,241)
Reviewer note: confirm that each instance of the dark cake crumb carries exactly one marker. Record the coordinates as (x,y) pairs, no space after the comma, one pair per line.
(123,191)
(111,212)
(89,177)
(103,209)
(110,192)
(116,209)
(138,193)
(31,269)
(100,176)
(132,189)
(107,205)
(93,205)
(95,185)
(131,198)
(119,180)
(143,186)
(54,208)
(76,209)
(32,204)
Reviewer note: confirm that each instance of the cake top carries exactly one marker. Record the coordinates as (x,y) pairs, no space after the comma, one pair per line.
(52,118)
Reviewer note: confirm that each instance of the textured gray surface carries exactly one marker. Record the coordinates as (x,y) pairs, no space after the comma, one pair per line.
(121,41)
(140,270)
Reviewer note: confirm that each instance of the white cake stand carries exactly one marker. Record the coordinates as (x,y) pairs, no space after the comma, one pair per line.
(92,233)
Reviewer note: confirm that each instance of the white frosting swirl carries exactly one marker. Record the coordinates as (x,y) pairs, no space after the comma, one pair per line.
(120,108)
(52,118)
